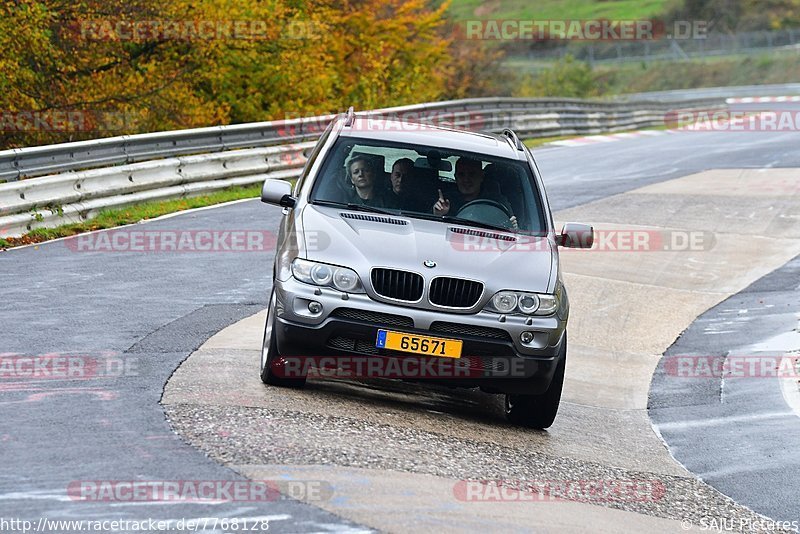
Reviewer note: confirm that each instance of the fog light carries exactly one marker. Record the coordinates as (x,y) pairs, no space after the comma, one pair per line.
(314,307)
(525,337)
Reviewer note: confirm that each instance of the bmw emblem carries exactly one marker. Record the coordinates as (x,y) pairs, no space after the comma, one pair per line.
(430,264)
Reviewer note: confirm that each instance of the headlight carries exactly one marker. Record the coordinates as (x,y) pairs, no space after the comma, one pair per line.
(507,302)
(548,304)
(321,274)
(345,279)
(324,275)
(528,304)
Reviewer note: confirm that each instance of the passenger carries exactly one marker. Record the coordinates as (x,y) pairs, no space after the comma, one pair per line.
(408,191)
(470,184)
(361,175)
(400,176)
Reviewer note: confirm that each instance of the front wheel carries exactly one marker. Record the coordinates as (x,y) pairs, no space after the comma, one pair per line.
(539,411)
(271,360)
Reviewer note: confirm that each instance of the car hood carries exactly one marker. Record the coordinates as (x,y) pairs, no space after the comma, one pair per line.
(361,241)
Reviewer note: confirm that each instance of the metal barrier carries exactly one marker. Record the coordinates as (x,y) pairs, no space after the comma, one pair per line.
(77,180)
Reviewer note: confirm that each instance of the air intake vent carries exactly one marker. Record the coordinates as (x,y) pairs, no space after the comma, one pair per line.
(373,317)
(455,292)
(478,233)
(398,285)
(374,218)
(469,330)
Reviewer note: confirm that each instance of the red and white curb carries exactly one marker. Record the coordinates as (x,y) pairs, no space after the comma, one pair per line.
(610,138)
(595,139)
(762,99)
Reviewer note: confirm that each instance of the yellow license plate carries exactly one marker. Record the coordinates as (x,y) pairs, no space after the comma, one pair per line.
(430,346)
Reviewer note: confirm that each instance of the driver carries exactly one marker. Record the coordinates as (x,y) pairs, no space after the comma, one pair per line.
(470,183)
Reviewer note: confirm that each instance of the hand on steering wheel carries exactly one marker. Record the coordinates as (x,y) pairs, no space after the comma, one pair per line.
(512,219)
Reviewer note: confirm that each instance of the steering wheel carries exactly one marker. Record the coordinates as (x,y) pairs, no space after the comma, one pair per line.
(487,211)
(486,202)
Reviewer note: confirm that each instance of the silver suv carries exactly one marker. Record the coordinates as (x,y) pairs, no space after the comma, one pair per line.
(420,253)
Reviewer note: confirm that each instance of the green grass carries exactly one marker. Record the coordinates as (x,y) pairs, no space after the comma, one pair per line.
(539,141)
(607,80)
(713,72)
(560,9)
(118,217)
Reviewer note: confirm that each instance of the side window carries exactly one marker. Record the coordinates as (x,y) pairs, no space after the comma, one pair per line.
(313,157)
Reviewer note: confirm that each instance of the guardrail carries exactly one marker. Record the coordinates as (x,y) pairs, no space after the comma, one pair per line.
(72,182)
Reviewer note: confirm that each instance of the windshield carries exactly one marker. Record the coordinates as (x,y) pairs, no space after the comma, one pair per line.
(430,183)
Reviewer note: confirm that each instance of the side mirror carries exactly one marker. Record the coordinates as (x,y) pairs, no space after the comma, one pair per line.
(576,235)
(278,192)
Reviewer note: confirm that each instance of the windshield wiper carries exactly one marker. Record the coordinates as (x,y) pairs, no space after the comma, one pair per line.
(352,206)
(455,220)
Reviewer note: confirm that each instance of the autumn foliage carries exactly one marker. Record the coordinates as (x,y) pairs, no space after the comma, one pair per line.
(82,69)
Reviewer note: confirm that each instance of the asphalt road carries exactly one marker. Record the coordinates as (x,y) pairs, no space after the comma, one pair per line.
(155,309)
(735,429)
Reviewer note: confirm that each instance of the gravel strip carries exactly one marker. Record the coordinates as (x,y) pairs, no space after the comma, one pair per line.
(241,435)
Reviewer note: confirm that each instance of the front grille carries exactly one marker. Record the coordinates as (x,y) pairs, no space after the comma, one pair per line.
(455,292)
(373,317)
(398,285)
(470,330)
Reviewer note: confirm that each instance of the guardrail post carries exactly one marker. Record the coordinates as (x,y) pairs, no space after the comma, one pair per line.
(125,149)
(16,166)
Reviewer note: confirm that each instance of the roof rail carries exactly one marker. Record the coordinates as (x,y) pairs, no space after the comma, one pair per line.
(513,139)
(351,116)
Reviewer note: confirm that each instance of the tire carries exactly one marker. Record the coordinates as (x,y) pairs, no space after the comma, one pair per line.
(270,357)
(539,411)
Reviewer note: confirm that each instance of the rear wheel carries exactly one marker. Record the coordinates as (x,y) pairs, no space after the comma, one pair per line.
(539,411)
(272,363)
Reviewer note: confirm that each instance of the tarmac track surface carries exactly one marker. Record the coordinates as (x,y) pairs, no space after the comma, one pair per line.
(156,309)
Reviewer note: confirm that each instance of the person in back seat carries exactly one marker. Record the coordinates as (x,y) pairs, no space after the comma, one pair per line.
(400,181)
(409,190)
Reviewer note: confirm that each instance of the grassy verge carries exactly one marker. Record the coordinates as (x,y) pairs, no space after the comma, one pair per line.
(539,141)
(714,72)
(559,9)
(118,217)
(574,78)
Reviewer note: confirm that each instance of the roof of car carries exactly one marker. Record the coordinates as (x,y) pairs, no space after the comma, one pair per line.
(429,135)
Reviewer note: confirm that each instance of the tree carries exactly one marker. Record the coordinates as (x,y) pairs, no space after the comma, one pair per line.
(54,63)
(121,66)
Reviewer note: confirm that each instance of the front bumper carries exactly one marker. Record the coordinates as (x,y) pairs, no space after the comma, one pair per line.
(493,357)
